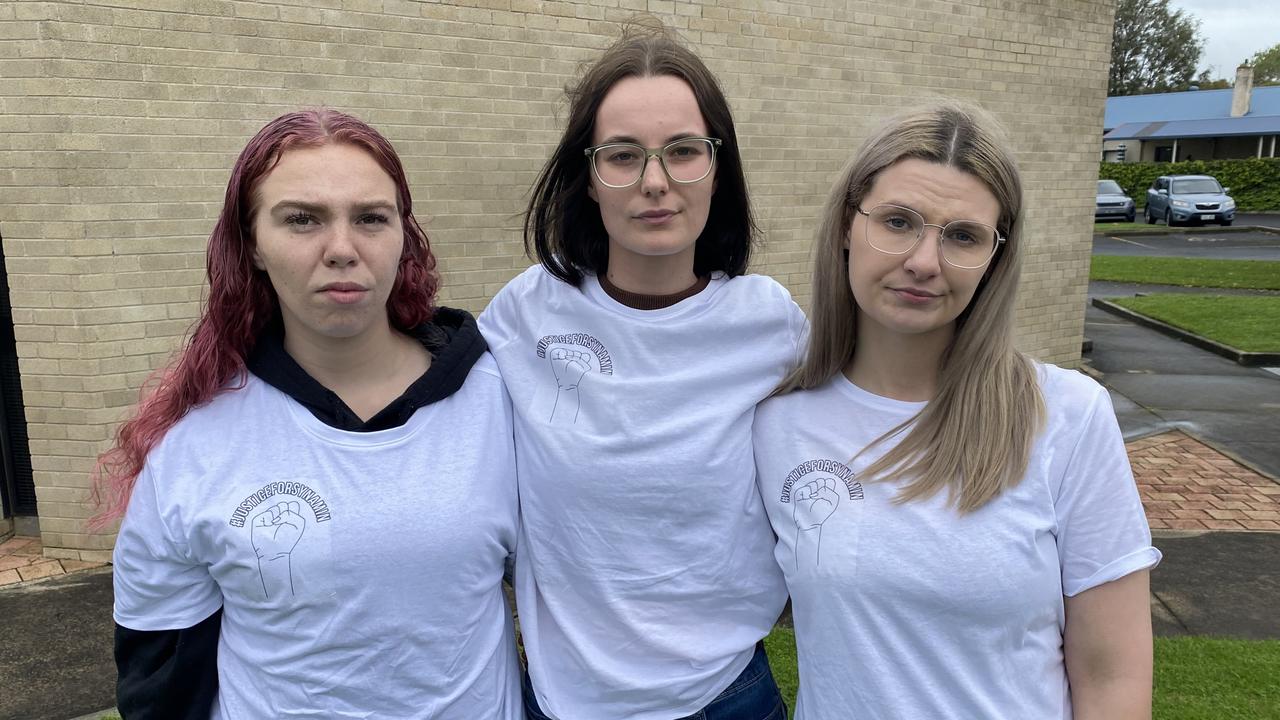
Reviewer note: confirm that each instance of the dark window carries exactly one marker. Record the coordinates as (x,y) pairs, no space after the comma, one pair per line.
(17,488)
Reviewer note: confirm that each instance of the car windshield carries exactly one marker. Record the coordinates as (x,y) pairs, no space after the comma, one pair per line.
(1195,187)
(1109,187)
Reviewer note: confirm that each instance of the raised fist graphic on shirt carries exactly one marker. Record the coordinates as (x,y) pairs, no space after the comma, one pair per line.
(569,366)
(275,533)
(813,503)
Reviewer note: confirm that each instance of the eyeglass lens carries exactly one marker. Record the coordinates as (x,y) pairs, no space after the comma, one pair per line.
(685,161)
(896,230)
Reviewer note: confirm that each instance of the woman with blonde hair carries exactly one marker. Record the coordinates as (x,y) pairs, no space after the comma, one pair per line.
(958,524)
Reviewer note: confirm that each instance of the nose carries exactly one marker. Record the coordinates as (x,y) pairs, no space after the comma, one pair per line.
(654,179)
(925,259)
(340,249)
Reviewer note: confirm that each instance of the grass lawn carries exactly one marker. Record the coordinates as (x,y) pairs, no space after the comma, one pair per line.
(1141,227)
(781,646)
(1246,322)
(1209,678)
(1187,272)
(1195,678)
(1105,228)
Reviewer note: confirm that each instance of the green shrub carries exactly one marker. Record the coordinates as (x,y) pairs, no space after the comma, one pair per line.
(1254,182)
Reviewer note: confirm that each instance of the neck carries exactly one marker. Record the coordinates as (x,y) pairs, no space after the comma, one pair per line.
(650,274)
(367,371)
(897,366)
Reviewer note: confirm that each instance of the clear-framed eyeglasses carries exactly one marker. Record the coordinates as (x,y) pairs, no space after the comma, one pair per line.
(685,161)
(896,230)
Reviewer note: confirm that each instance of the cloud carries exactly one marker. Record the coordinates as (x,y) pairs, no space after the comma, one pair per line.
(1233,30)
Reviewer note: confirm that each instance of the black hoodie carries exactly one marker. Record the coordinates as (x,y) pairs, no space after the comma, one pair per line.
(173,674)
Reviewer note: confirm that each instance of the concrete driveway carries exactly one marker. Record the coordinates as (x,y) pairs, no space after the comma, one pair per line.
(1159,382)
(57,659)
(1255,245)
(1260,219)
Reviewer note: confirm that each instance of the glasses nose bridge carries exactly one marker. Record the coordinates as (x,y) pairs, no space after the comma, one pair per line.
(920,238)
(654,154)
(664,175)
(942,229)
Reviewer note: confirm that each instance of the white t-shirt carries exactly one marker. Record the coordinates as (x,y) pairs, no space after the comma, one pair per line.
(913,611)
(644,577)
(360,573)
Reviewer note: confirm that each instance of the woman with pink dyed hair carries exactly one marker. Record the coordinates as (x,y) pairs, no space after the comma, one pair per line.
(319,492)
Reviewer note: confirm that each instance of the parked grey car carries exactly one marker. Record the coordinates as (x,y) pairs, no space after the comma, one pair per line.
(1178,199)
(1112,203)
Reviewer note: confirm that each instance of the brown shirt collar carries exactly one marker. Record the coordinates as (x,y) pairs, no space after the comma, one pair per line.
(640,301)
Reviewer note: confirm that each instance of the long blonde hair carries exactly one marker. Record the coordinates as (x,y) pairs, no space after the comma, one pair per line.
(974,438)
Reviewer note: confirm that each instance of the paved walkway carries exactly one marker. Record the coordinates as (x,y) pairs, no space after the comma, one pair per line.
(22,559)
(1188,485)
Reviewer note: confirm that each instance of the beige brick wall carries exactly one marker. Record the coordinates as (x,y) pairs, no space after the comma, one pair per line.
(120,119)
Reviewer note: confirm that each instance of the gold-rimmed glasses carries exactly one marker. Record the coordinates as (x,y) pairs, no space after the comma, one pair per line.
(896,230)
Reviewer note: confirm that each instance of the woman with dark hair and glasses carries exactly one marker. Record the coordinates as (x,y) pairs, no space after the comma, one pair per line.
(960,530)
(635,354)
(319,493)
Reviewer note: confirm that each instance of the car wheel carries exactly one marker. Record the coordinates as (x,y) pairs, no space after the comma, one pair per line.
(1146,215)
(1130,217)
(1224,223)
(1168,218)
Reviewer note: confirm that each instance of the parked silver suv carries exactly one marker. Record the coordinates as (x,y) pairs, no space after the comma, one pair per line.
(1112,203)
(1178,199)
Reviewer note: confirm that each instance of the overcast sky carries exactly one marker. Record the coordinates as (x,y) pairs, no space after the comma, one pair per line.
(1233,30)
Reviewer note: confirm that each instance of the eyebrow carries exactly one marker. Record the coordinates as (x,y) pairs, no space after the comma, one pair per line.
(634,141)
(921,214)
(319,208)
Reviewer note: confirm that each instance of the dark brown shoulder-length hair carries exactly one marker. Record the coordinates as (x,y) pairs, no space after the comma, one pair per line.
(562,226)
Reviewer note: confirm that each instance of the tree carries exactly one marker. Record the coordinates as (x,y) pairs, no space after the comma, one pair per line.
(1204,82)
(1266,66)
(1154,48)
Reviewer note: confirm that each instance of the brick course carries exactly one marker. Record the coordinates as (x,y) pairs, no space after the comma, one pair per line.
(119,123)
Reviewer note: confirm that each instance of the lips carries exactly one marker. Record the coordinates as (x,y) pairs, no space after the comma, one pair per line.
(914,294)
(344,292)
(656,216)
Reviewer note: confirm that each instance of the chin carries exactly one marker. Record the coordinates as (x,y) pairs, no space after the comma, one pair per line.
(656,249)
(909,326)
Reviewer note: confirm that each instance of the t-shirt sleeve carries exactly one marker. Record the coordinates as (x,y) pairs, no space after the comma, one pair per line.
(496,320)
(158,585)
(797,325)
(1102,528)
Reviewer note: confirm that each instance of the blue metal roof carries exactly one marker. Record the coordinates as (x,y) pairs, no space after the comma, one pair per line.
(1193,105)
(1216,127)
